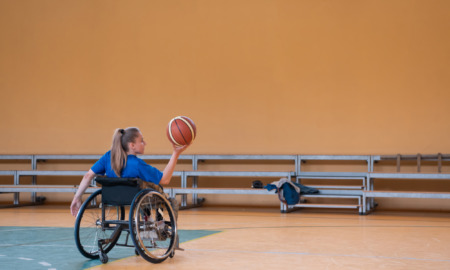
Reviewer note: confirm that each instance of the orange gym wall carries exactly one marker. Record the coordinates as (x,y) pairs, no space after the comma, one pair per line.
(257,77)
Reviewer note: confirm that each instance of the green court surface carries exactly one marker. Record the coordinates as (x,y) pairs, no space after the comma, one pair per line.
(53,248)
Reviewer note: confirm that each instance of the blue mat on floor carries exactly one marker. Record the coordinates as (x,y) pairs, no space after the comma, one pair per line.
(53,248)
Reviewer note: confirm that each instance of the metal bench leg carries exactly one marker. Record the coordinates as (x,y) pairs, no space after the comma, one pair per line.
(17,194)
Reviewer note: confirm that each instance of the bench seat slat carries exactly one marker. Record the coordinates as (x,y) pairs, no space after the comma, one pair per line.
(50,173)
(238,173)
(407,194)
(410,175)
(341,175)
(336,187)
(7,172)
(219,191)
(311,205)
(258,191)
(63,173)
(43,188)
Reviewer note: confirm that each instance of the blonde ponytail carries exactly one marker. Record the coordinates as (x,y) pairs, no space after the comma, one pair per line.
(119,148)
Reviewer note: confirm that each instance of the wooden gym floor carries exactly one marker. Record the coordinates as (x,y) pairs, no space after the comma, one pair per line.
(253,238)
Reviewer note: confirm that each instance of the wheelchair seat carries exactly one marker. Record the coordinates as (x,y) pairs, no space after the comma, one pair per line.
(118,191)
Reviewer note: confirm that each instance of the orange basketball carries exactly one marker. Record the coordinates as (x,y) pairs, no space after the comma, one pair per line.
(181,130)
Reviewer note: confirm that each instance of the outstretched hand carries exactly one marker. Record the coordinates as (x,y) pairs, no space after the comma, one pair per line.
(179,149)
(75,206)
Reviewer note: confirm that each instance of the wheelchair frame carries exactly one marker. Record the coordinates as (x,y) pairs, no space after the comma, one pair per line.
(151,226)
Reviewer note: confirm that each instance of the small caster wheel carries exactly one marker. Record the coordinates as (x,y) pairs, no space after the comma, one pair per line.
(172,254)
(136,252)
(103,257)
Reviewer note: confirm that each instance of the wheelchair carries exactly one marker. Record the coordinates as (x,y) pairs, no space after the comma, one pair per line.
(101,221)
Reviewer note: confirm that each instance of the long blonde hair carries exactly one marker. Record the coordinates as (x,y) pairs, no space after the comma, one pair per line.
(119,147)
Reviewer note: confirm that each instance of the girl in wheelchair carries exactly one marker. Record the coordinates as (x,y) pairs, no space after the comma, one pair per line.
(121,161)
(101,219)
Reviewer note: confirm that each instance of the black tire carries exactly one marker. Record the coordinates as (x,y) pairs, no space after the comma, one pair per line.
(103,257)
(88,226)
(152,226)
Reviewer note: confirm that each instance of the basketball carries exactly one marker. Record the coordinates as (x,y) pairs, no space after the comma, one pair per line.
(181,130)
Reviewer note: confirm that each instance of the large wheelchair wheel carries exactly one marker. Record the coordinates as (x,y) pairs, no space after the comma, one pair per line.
(152,226)
(91,226)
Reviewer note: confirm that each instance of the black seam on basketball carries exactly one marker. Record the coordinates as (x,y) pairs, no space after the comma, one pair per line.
(176,123)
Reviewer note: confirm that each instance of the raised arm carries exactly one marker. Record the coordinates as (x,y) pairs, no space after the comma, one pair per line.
(170,167)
